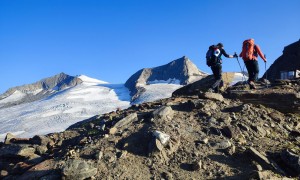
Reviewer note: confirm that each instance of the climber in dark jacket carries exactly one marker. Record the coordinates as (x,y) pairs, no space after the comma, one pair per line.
(217,67)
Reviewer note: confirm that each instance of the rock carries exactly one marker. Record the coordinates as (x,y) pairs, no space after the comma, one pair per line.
(261,159)
(211,96)
(8,137)
(223,144)
(162,137)
(227,132)
(204,141)
(40,140)
(292,160)
(40,170)
(99,155)
(158,145)
(196,166)
(276,116)
(41,150)
(163,113)
(215,131)
(125,121)
(230,150)
(113,130)
(78,169)
(243,127)
(20,168)
(167,175)
(16,150)
(261,131)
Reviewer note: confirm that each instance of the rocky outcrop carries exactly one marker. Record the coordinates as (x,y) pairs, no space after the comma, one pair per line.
(288,61)
(182,70)
(283,95)
(204,84)
(40,89)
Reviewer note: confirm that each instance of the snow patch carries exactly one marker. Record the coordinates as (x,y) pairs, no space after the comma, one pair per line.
(169,81)
(157,91)
(16,96)
(90,80)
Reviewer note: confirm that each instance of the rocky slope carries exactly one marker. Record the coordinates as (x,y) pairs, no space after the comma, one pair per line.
(288,61)
(195,136)
(38,90)
(181,71)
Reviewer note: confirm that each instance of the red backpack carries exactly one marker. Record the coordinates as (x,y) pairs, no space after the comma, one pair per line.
(248,50)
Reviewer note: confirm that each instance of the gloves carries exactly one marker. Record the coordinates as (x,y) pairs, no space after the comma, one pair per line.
(235,55)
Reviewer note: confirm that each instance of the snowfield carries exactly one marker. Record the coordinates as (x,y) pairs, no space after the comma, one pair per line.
(62,109)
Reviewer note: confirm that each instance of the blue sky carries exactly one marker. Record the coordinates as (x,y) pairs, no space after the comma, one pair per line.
(110,40)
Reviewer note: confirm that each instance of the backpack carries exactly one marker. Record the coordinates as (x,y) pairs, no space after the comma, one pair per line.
(248,51)
(212,55)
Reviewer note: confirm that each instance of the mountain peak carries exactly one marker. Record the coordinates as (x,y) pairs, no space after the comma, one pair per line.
(181,70)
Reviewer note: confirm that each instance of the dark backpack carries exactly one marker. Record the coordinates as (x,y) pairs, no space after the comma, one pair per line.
(212,55)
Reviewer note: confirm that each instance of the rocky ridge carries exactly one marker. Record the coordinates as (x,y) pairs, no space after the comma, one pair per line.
(195,136)
(40,89)
(182,70)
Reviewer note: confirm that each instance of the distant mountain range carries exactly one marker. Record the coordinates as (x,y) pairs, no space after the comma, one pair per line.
(38,90)
(54,103)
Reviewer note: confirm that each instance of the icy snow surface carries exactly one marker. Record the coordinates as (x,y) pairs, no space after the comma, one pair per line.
(62,109)
(157,91)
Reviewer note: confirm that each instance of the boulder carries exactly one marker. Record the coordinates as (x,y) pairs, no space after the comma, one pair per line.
(17,150)
(164,113)
(8,137)
(40,140)
(40,170)
(292,160)
(78,169)
(162,137)
(125,121)
(211,96)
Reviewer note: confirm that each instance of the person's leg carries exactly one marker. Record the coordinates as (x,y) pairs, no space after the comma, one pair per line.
(218,77)
(250,65)
(255,70)
(249,69)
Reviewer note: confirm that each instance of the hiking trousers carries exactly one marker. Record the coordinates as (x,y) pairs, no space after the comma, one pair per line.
(217,72)
(253,70)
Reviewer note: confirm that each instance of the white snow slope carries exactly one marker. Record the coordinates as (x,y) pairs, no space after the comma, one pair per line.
(64,108)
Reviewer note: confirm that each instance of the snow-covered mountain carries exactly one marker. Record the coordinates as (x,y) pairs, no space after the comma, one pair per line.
(38,90)
(62,108)
(181,71)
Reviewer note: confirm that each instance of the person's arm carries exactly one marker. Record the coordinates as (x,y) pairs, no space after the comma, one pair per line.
(225,54)
(259,52)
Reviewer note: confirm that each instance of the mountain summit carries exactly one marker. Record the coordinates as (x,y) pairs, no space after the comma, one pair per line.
(180,71)
(37,90)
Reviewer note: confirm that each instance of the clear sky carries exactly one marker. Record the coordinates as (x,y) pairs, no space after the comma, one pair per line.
(112,39)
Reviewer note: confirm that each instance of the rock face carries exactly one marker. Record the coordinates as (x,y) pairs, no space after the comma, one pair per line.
(288,61)
(181,69)
(40,89)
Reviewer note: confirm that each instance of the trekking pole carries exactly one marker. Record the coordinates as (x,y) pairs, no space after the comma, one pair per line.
(266,70)
(237,58)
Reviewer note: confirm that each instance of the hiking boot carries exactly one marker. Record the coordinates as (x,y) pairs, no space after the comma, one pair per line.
(252,85)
